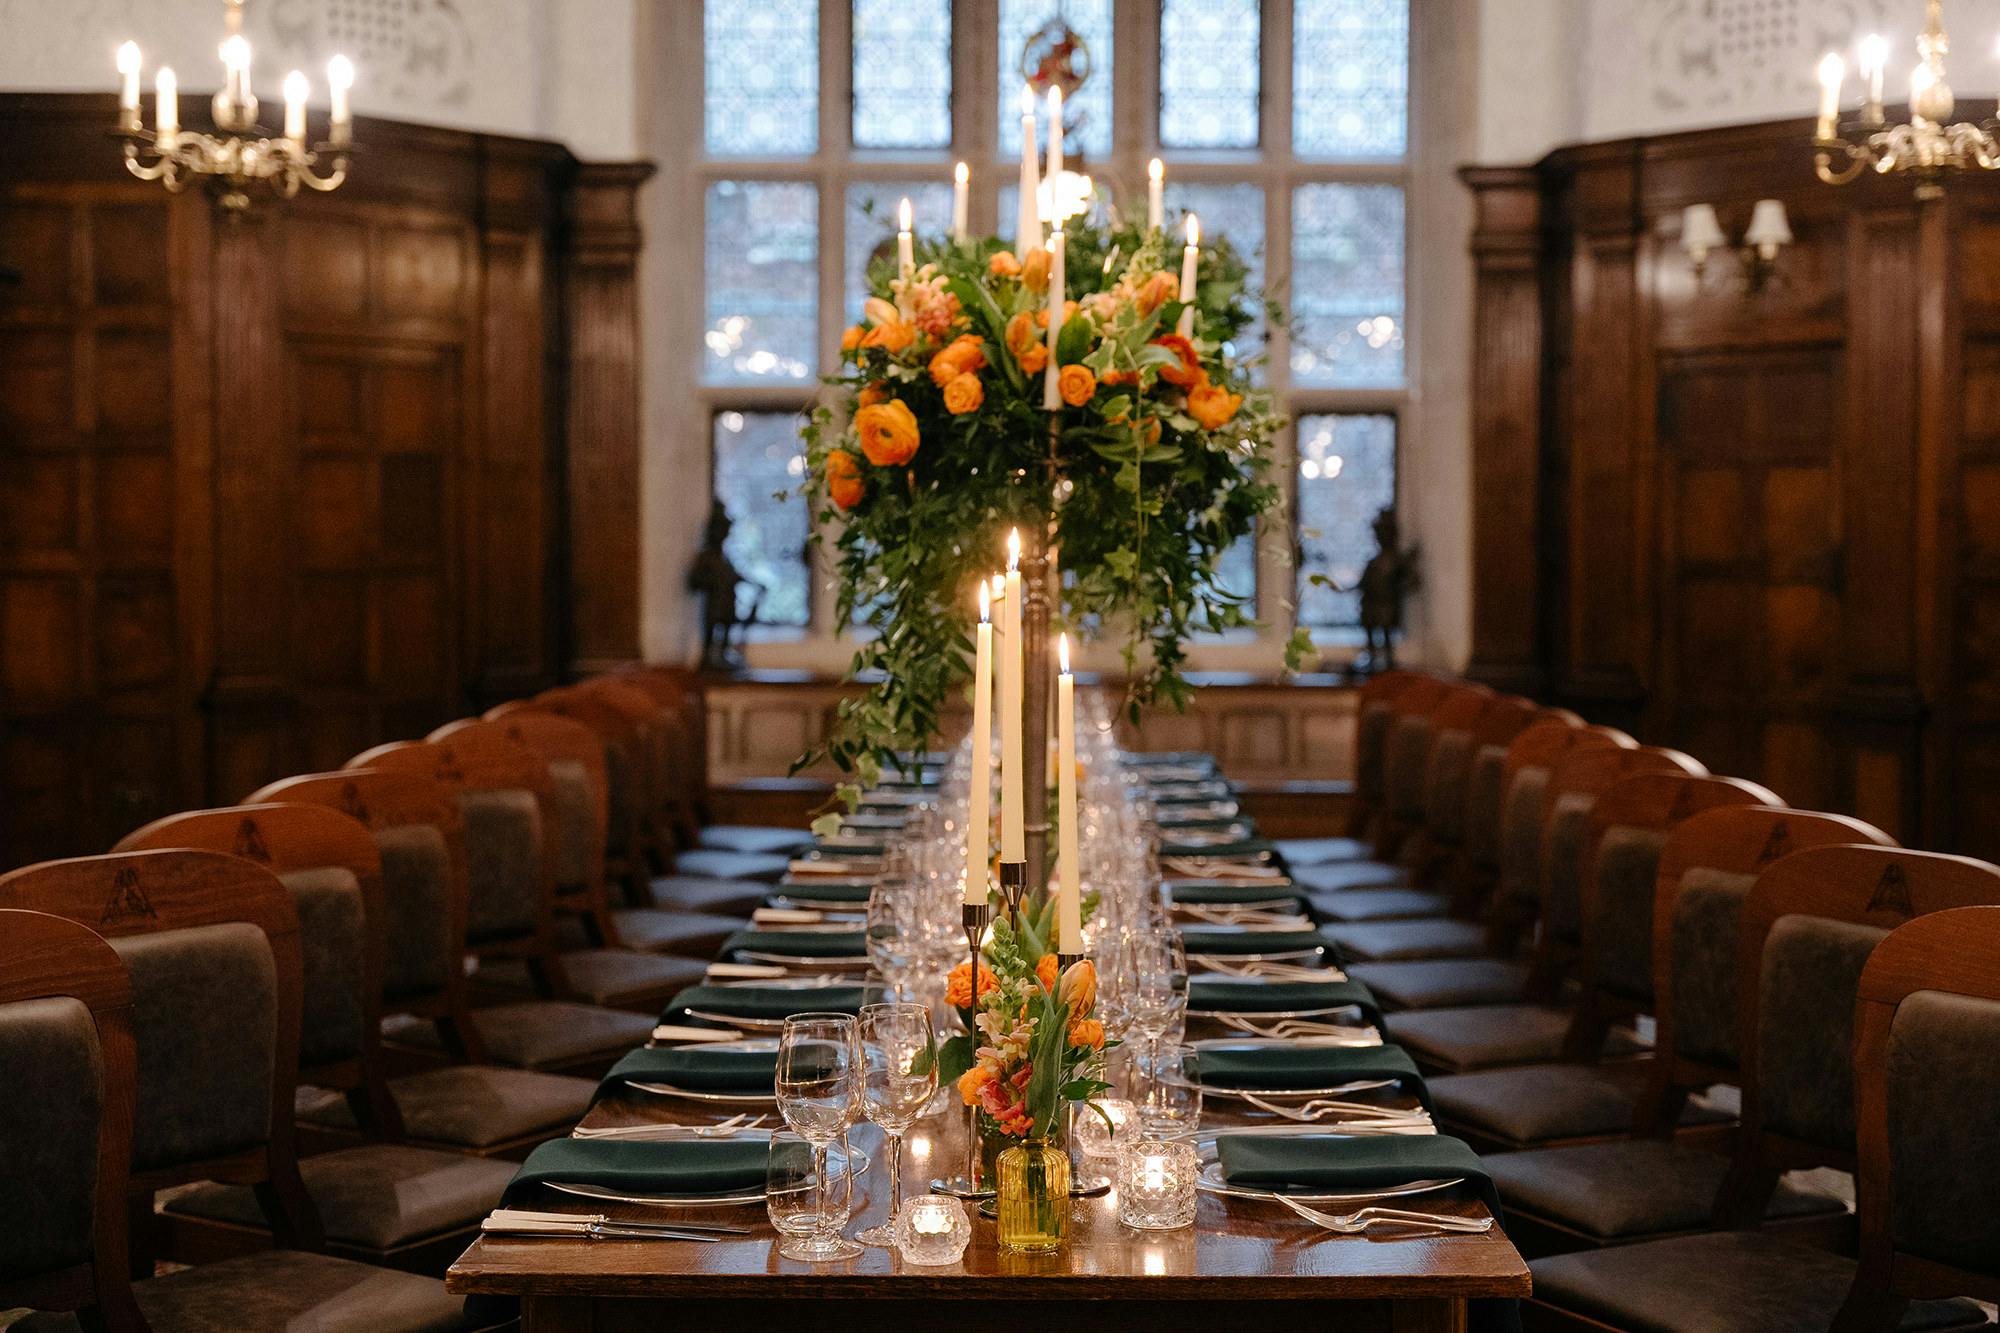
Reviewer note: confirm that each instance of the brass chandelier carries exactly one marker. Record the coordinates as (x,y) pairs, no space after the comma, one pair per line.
(1928,146)
(242,152)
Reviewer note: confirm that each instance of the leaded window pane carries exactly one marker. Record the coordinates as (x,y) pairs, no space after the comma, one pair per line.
(1209,80)
(902,73)
(871,227)
(1350,78)
(1237,213)
(1347,474)
(762,272)
(1347,286)
(1087,114)
(758,455)
(761,67)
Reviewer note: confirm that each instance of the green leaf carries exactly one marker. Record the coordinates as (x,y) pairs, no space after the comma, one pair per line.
(954,1057)
(1074,340)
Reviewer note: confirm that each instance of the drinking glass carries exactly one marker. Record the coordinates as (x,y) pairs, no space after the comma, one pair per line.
(899,1060)
(1155,975)
(807,1197)
(819,1094)
(893,942)
(1173,1108)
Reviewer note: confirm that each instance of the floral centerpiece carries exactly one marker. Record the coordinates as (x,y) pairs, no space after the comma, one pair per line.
(937,440)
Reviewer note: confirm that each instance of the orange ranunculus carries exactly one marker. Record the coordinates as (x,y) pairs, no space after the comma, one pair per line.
(964,394)
(876,392)
(971,1082)
(1115,378)
(888,431)
(1188,372)
(1004,265)
(851,336)
(891,335)
(1035,270)
(957,987)
(1087,1033)
(1045,970)
(843,478)
(1077,384)
(1212,405)
(1079,987)
(1159,289)
(965,352)
(1025,342)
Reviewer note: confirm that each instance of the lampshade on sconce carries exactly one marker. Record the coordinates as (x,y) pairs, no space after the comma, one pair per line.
(1770,231)
(1701,232)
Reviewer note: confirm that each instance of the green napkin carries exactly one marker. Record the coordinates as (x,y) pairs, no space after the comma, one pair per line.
(1222,892)
(1308,1067)
(1210,940)
(1230,996)
(767,1002)
(846,850)
(797,943)
(698,1166)
(697,1068)
(827,890)
(1241,849)
(1197,822)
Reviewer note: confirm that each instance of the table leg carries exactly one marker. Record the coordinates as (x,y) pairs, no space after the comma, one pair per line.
(557,1314)
(1427,1317)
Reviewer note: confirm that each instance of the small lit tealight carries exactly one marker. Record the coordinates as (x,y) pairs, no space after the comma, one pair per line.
(932,1229)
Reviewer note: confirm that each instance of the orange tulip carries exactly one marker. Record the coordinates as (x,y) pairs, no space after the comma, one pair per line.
(851,336)
(891,335)
(1045,970)
(964,394)
(1189,372)
(1087,1033)
(1212,405)
(1076,384)
(1035,270)
(1026,343)
(889,435)
(1159,289)
(843,479)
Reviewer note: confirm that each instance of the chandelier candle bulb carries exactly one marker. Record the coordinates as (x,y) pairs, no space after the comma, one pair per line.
(961,186)
(1069,903)
(1058,280)
(128,86)
(1028,224)
(1874,58)
(1156,204)
(1832,71)
(296,92)
(1190,256)
(340,78)
(235,52)
(1013,833)
(980,793)
(166,108)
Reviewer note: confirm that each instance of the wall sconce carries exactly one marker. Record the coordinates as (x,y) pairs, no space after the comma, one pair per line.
(1770,231)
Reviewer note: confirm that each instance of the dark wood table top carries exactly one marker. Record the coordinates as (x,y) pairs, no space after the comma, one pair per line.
(1237,1249)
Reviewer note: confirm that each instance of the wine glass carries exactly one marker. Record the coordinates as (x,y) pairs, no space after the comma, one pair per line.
(899,1074)
(893,942)
(1155,972)
(819,1094)
(802,1198)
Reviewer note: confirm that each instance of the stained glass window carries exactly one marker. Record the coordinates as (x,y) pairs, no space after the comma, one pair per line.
(1347,474)
(1209,84)
(762,270)
(902,73)
(1347,286)
(758,456)
(1350,78)
(762,77)
(1235,212)
(1087,116)
(871,226)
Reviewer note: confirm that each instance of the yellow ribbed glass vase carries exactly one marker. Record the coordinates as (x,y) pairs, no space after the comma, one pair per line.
(1033,1201)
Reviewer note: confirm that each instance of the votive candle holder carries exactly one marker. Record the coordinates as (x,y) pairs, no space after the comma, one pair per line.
(1156,1184)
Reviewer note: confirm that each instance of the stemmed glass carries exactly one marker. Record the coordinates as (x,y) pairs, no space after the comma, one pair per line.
(899,1059)
(893,944)
(819,1094)
(1173,1110)
(1155,974)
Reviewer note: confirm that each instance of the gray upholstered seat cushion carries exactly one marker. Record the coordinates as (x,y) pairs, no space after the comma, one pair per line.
(1535,1104)
(1488,1036)
(761,838)
(1628,865)
(1299,852)
(659,930)
(1484,787)
(204,1020)
(1436,937)
(332,926)
(615,978)
(1564,841)
(48,1133)
(1628,1189)
(698,893)
(1433,983)
(1404,763)
(713,863)
(1708,913)
(1445,787)
(1805,1021)
(467,1106)
(1944,1128)
(503,856)
(378,1197)
(579,851)
(416,892)
(538,1034)
(288,1290)
(1380,904)
(1334,876)
(1724,1282)
(1520,836)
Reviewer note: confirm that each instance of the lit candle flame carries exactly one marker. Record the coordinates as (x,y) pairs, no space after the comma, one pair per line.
(1027,101)
(903,215)
(1013,549)
(1156,170)
(960,173)
(1193,230)
(128,58)
(340,73)
(985,603)
(1062,653)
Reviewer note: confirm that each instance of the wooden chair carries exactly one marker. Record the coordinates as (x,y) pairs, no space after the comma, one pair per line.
(1371,725)
(389,1202)
(1810,924)
(210,946)
(1476,843)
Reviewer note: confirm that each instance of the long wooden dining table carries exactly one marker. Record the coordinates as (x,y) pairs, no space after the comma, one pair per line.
(1243,1259)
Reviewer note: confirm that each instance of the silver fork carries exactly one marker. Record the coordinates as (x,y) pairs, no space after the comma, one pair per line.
(1358,1221)
(740,1123)
(1298,1027)
(1268,971)
(1319,1108)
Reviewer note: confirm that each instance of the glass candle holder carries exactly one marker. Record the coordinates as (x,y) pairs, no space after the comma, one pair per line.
(1156,1184)
(1095,1138)
(932,1229)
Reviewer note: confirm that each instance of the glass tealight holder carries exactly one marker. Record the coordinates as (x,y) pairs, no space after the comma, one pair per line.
(932,1229)
(1095,1138)
(1156,1184)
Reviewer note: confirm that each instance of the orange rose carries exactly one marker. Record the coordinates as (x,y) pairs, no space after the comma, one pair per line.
(971,1082)
(843,478)
(1087,1033)
(1188,372)
(1212,405)
(964,394)
(851,336)
(888,431)
(1004,265)
(964,353)
(872,393)
(1025,343)
(1076,384)
(1035,270)
(1045,970)
(958,991)
(1161,288)
(891,335)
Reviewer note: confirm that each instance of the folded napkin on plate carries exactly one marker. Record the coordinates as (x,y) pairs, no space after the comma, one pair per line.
(766,1002)
(1195,823)
(1248,995)
(696,1068)
(1223,892)
(829,867)
(1221,940)
(1302,1067)
(1242,847)
(827,890)
(797,943)
(846,848)
(1190,793)
(698,1166)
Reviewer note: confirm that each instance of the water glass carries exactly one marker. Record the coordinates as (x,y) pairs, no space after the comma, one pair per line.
(1172,1108)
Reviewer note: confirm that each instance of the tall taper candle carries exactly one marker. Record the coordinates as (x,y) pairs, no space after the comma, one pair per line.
(1069,901)
(1013,831)
(1156,202)
(1055,145)
(1051,376)
(906,261)
(980,795)
(1028,222)
(1190,256)
(961,186)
